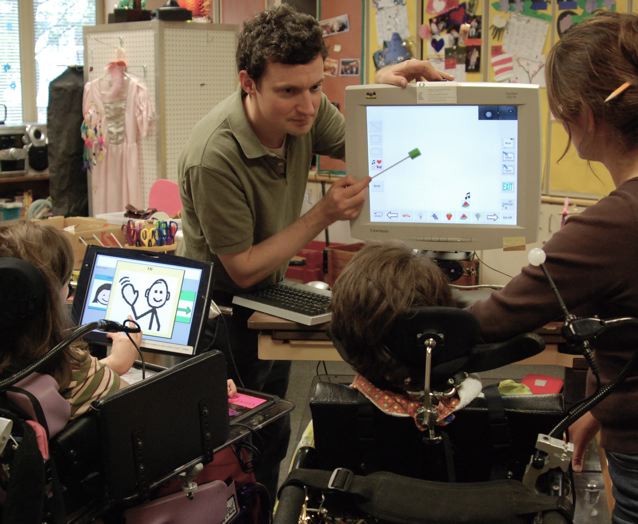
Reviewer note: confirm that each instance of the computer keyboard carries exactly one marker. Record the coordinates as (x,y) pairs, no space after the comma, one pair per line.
(297,302)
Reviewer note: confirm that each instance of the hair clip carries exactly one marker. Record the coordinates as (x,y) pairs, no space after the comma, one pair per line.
(617,91)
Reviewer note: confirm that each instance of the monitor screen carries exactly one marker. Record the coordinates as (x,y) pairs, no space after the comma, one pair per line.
(168,296)
(456,166)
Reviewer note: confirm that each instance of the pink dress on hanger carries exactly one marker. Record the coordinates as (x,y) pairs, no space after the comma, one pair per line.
(112,129)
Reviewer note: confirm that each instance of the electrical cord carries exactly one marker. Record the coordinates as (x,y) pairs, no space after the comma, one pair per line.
(137,348)
(582,407)
(77,333)
(231,355)
(490,267)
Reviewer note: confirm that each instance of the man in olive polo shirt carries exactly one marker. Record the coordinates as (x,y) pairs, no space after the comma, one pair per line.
(242,181)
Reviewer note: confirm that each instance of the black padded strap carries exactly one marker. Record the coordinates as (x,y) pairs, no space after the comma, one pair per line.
(395,498)
(500,436)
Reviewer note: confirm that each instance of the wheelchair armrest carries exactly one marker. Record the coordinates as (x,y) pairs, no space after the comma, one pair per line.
(336,393)
(494,355)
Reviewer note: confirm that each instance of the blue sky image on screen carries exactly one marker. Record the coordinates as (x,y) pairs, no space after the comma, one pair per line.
(160,297)
(465,173)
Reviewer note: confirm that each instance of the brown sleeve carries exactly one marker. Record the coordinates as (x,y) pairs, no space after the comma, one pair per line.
(587,259)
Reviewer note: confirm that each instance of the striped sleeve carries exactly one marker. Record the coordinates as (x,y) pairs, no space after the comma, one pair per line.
(91,381)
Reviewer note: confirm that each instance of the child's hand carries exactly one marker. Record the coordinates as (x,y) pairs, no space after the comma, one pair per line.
(232,389)
(123,352)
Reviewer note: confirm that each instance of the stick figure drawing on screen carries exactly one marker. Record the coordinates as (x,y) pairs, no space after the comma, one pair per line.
(156,296)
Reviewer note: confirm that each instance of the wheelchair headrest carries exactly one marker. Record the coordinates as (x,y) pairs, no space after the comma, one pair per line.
(22,291)
(458,344)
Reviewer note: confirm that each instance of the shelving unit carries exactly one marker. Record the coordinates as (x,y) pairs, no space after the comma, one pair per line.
(11,186)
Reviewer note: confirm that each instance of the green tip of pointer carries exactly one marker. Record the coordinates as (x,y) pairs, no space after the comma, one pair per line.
(414,153)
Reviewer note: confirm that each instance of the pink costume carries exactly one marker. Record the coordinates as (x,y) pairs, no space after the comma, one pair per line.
(118,113)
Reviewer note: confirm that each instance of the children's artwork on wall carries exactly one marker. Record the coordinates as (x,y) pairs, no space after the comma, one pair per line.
(502,64)
(335,25)
(445,29)
(436,7)
(531,8)
(394,51)
(573,12)
(442,37)
(525,39)
(392,19)
(349,67)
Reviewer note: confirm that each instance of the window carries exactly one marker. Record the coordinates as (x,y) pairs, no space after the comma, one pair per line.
(39,38)
(10,84)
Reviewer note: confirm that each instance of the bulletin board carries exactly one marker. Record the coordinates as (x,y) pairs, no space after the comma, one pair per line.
(342,24)
(509,43)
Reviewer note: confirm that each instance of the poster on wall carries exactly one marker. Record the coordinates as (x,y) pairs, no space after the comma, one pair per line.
(445,43)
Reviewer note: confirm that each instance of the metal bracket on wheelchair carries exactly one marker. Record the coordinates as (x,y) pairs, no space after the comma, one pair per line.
(551,453)
(189,486)
(426,414)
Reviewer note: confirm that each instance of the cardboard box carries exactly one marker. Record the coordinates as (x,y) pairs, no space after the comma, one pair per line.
(89,231)
(83,232)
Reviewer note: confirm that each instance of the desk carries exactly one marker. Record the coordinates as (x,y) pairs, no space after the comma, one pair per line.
(281,339)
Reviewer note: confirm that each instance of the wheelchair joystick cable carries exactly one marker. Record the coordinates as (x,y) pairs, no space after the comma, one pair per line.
(582,407)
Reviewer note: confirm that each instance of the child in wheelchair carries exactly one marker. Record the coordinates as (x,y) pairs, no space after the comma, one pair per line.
(35,269)
(31,330)
(382,283)
(391,306)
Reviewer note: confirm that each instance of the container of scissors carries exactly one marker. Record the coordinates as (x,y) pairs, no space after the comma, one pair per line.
(166,231)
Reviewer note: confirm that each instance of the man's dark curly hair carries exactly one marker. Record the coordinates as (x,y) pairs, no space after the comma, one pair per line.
(282,35)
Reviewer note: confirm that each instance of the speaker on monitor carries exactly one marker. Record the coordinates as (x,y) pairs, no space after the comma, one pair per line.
(38,150)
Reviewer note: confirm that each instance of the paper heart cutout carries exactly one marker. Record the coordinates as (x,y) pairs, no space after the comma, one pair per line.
(437,44)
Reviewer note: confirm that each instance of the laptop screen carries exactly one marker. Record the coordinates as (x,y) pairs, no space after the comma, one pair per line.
(168,296)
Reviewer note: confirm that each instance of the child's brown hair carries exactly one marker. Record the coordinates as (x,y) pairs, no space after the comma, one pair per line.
(49,251)
(382,282)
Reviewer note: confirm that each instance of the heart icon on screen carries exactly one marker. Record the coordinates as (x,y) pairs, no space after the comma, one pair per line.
(449,216)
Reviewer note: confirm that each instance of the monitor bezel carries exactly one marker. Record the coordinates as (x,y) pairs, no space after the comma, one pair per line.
(451,237)
(202,302)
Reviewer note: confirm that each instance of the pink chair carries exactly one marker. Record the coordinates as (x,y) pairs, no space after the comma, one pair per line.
(164,196)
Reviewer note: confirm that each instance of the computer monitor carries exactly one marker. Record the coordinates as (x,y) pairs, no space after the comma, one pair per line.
(167,295)
(458,164)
